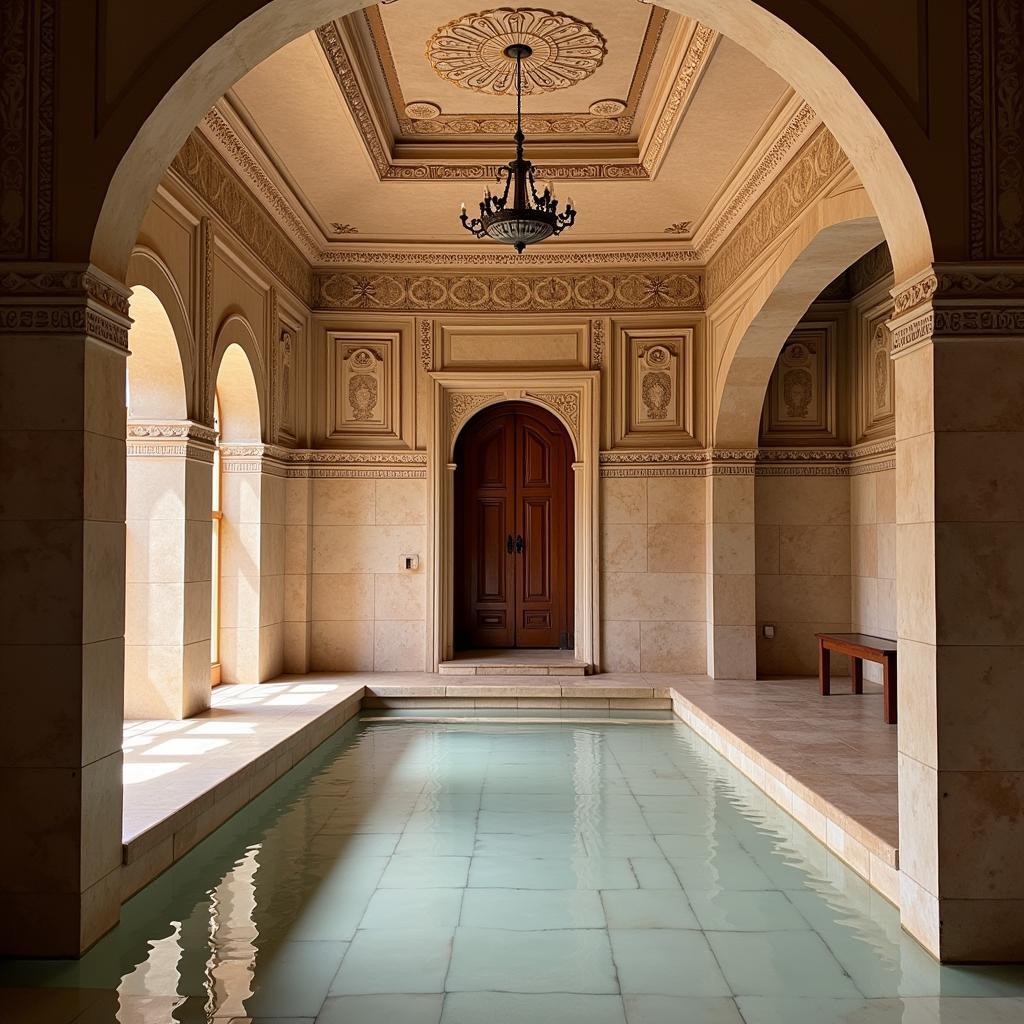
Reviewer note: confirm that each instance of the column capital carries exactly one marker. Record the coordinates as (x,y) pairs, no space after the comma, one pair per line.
(958,300)
(167,438)
(64,298)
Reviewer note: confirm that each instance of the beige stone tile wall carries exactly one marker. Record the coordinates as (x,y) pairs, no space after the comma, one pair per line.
(873,557)
(653,597)
(803,569)
(297,581)
(365,612)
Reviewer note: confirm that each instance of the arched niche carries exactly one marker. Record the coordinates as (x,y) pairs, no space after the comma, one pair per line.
(156,380)
(146,270)
(237,373)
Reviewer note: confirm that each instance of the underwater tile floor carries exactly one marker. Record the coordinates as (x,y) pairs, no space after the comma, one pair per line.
(413,872)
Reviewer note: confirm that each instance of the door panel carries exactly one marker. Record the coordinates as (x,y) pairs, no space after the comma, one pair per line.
(484,571)
(514,542)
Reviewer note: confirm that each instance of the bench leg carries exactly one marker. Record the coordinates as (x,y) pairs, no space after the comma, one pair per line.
(857,665)
(824,668)
(889,689)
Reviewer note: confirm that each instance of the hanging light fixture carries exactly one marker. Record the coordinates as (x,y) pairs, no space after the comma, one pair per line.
(521,215)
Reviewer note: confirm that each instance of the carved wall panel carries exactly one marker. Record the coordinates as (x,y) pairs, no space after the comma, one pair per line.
(369,382)
(801,406)
(654,391)
(477,344)
(875,375)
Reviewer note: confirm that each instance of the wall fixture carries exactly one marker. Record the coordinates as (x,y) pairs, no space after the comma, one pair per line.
(531,216)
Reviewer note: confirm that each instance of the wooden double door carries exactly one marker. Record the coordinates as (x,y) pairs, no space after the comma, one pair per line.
(514,514)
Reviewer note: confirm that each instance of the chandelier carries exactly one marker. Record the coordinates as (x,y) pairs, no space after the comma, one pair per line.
(530,216)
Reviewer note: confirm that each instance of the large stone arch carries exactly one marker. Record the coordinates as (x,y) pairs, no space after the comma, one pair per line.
(806,47)
(830,237)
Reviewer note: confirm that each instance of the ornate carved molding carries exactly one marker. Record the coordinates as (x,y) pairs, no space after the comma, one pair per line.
(551,257)
(462,405)
(64,299)
(241,157)
(251,165)
(565,403)
(918,289)
(27,67)
(320,464)
(171,438)
(695,61)
(468,51)
(598,331)
(818,163)
(200,167)
(788,139)
(833,461)
(427,344)
(622,292)
(995,71)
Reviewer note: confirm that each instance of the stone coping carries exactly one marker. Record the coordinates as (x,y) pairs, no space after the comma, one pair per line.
(286,719)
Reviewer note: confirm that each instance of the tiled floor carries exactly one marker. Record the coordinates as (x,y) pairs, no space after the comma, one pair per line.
(836,748)
(415,873)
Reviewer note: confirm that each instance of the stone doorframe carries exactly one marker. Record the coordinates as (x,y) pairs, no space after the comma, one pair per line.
(574,397)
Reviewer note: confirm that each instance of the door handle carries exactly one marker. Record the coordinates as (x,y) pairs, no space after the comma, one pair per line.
(510,544)
(520,544)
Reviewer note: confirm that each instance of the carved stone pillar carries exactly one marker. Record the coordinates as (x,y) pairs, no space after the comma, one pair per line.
(63,346)
(167,599)
(958,341)
(732,644)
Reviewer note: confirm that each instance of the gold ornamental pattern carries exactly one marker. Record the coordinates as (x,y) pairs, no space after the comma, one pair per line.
(470,51)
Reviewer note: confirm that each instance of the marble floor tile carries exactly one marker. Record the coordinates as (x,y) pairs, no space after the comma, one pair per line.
(490,959)
(397,960)
(662,962)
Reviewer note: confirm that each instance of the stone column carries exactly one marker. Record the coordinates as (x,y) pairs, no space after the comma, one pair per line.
(958,341)
(732,647)
(252,563)
(167,600)
(63,346)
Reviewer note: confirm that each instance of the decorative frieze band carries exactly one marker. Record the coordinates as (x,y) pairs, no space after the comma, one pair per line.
(489,293)
(868,458)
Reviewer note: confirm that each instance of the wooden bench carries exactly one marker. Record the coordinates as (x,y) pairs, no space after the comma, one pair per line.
(860,647)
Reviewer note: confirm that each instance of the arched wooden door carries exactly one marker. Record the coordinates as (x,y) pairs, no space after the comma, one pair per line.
(513,530)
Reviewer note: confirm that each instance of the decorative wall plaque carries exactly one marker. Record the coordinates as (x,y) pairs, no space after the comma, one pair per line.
(654,387)
(876,407)
(366,374)
(800,406)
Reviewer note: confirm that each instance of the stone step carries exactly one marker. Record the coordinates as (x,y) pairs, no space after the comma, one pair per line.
(486,667)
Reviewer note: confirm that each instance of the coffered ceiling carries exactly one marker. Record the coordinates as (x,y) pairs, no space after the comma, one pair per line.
(365,135)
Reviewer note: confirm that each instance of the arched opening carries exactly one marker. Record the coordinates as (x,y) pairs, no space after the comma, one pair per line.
(237,585)
(514,515)
(163,648)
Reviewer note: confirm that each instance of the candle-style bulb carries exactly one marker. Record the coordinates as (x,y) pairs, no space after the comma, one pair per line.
(463,205)
(568,203)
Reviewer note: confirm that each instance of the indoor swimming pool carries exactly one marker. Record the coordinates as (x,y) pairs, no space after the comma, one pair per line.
(417,870)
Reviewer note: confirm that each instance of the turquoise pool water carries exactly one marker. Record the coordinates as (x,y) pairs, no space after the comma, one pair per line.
(417,872)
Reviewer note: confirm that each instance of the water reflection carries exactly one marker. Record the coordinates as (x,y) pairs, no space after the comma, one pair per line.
(406,871)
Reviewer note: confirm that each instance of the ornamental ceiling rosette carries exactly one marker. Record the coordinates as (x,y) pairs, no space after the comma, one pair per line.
(470,51)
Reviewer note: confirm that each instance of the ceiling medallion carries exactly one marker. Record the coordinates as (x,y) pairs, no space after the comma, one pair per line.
(470,51)
(520,215)
(422,110)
